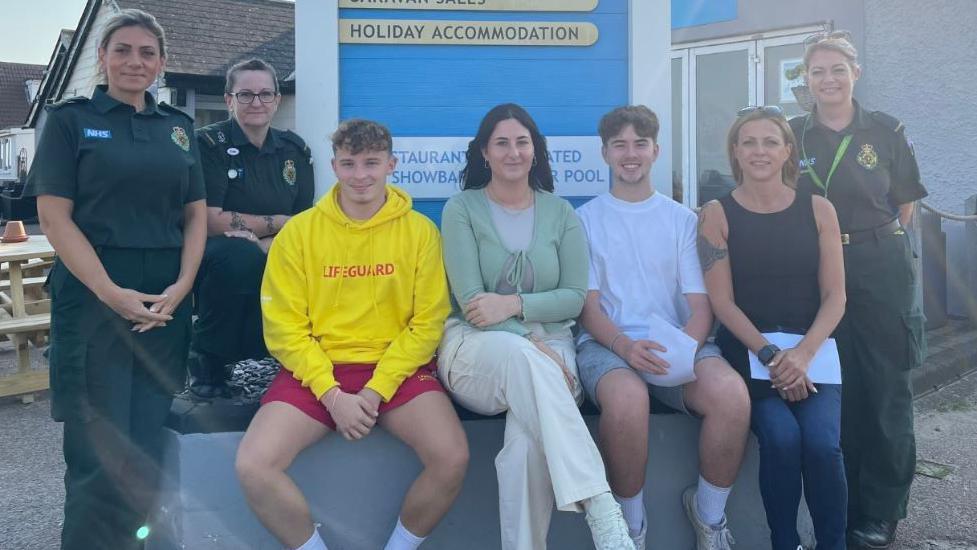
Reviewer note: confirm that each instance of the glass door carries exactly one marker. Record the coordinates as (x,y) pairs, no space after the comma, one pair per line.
(780,72)
(722,82)
(710,83)
(680,123)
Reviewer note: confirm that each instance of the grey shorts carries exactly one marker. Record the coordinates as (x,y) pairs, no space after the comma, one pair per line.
(594,361)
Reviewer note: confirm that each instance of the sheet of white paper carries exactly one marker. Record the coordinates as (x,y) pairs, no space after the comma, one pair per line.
(680,355)
(825,367)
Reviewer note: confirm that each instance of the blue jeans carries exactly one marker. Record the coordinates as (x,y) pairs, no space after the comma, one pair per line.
(801,441)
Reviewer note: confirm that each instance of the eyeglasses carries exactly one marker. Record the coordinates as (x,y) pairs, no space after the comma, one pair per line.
(247,98)
(770,110)
(819,36)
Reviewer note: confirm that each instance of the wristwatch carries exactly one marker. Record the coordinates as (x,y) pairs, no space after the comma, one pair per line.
(766,354)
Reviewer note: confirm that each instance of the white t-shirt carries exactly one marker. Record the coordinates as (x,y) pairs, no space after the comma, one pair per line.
(643,260)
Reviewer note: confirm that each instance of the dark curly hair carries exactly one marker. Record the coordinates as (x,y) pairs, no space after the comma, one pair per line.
(477,173)
(357,135)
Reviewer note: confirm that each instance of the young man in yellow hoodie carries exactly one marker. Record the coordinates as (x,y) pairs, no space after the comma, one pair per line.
(354,300)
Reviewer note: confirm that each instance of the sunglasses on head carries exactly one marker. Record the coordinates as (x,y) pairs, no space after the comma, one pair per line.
(770,110)
(819,36)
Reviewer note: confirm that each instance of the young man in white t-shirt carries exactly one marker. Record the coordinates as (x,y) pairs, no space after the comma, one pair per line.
(643,264)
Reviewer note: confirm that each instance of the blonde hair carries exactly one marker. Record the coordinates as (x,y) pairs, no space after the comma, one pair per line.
(833,42)
(131,18)
(791,169)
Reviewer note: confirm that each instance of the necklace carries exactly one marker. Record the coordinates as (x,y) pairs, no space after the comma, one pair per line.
(523,203)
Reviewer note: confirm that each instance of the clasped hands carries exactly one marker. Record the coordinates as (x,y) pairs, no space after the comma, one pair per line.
(788,374)
(145,311)
(355,414)
(489,308)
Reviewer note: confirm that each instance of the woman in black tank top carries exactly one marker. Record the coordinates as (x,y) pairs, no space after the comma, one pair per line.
(773,263)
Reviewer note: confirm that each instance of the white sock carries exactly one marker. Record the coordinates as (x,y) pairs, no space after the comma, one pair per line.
(315,542)
(600,505)
(402,539)
(633,509)
(710,502)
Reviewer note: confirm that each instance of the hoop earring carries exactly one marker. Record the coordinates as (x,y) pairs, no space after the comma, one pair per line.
(485,161)
(534,160)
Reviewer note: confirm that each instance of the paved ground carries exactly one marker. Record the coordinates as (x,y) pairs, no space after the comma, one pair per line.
(943,512)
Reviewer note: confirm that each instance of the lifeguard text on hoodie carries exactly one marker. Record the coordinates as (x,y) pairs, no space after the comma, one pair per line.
(338,290)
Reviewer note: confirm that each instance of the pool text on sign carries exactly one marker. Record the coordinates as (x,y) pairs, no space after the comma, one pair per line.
(430,167)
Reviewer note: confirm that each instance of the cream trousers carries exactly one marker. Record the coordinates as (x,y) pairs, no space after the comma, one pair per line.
(548,452)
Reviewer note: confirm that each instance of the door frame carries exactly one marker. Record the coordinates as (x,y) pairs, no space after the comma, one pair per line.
(690,191)
(755,45)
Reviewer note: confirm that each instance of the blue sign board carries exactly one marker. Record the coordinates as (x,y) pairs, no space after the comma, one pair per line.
(690,13)
(442,91)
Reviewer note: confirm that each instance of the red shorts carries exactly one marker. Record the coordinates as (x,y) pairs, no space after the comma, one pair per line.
(352,378)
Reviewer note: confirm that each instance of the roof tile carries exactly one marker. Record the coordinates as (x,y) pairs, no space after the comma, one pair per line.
(13,92)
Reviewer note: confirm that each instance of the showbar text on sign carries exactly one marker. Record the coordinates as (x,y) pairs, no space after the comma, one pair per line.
(471,33)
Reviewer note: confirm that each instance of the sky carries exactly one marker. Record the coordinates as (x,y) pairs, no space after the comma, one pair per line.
(30,28)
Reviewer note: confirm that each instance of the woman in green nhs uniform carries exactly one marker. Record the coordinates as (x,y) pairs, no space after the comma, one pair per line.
(861,161)
(120,195)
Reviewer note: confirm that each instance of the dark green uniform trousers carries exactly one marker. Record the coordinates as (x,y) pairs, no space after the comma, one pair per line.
(228,325)
(879,340)
(112,388)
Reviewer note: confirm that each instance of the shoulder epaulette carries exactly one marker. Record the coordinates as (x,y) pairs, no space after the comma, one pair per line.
(292,137)
(209,134)
(78,99)
(173,110)
(888,121)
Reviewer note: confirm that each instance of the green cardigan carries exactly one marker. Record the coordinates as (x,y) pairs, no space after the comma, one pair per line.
(474,257)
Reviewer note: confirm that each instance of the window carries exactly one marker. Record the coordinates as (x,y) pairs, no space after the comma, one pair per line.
(6,154)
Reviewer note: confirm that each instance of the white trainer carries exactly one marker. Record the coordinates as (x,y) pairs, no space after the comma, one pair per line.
(608,528)
(707,537)
(639,539)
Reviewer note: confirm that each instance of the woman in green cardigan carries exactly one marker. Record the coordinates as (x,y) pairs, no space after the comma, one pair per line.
(516,259)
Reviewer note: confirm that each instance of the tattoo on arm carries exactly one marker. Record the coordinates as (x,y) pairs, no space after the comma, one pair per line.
(709,253)
(270,221)
(237,222)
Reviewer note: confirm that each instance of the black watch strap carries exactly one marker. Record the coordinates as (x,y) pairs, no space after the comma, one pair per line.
(767,353)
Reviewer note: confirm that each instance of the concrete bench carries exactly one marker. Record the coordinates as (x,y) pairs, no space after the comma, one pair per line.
(355,488)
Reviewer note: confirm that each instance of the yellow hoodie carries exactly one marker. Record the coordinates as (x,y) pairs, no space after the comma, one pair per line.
(337,290)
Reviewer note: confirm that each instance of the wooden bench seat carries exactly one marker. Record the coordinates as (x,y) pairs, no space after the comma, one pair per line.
(31,323)
(34,266)
(24,383)
(28,282)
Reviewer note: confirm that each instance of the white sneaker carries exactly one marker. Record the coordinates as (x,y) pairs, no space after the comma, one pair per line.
(707,537)
(639,539)
(610,531)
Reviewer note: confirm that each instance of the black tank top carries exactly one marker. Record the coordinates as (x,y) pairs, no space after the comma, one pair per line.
(774,261)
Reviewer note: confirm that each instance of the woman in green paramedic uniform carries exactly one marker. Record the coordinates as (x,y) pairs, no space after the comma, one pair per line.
(120,196)
(861,161)
(257,177)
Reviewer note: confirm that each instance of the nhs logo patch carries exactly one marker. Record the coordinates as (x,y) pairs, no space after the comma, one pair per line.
(97,134)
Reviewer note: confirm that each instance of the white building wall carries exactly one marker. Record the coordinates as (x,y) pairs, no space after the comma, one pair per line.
(85,75)
(918,65)
(19,139)
(285,117)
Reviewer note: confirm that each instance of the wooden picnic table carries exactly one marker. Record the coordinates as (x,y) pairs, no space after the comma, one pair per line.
(25,311)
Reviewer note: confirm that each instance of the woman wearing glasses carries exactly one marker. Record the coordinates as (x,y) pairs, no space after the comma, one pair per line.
(257,178)
(120,196)
(861,161)
(516,259)
(772,262)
